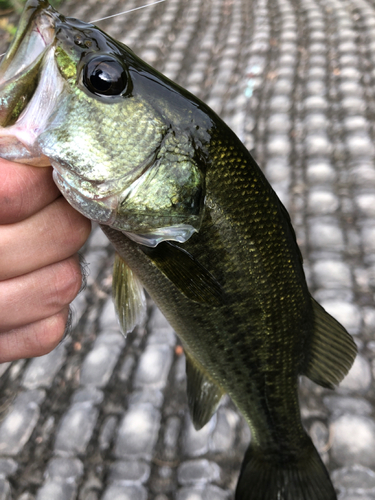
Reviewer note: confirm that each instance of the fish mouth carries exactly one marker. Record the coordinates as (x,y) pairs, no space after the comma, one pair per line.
(36,31)
(29,85)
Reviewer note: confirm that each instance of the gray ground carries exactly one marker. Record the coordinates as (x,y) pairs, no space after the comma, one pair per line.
(103,417)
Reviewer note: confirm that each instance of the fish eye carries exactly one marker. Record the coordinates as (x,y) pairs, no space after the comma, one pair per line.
(105,76)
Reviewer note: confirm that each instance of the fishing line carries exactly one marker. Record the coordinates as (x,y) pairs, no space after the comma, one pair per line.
(127,11)
(118,14)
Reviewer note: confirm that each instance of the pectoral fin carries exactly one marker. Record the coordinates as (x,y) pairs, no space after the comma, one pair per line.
(203,393)
(332,350)
(128,296)
(186,273)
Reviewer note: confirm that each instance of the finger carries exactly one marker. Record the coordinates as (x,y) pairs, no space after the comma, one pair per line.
(24,190)
(35,339)
(52,235)
(40,294)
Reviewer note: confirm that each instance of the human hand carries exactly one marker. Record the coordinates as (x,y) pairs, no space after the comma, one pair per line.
(40,235)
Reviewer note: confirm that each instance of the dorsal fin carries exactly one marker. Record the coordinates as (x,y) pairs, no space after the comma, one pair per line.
(203,393)
(332,350)
(128,296)
(186,273)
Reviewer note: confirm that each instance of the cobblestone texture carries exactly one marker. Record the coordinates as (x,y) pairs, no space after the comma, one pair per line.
(104,417)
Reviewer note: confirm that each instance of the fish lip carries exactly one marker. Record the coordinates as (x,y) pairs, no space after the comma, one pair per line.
(23,65)
(31,122)
(38,25)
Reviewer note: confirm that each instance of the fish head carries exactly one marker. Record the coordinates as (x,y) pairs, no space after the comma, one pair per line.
(129,148)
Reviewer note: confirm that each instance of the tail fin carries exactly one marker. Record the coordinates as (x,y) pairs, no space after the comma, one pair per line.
(279,478)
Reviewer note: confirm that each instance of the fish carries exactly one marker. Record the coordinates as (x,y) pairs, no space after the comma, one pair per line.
(193,221)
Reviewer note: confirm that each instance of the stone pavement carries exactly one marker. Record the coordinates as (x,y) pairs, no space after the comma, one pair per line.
(103,417)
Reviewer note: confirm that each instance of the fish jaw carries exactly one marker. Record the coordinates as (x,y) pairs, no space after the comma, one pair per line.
(35,32)
(19,142)
(30,85)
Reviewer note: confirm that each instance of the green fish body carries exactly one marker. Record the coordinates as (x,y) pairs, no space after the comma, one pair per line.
(193,221)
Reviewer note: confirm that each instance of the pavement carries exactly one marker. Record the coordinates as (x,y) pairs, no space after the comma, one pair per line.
(105,418)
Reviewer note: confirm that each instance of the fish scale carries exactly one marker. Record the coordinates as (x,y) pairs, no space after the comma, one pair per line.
(195,222)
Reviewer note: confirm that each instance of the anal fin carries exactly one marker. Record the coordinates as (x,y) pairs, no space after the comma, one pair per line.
(203,393)
(128,296)
(332,350)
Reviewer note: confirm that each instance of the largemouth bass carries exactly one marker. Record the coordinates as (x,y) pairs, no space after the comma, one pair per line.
(193,221)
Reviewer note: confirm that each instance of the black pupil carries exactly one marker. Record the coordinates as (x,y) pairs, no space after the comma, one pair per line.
(100,80)
(105,76)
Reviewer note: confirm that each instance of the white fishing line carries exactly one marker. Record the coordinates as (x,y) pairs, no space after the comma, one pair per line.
(127,11)
(118,14)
